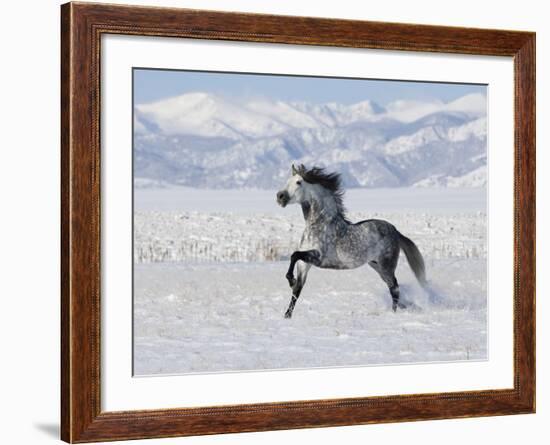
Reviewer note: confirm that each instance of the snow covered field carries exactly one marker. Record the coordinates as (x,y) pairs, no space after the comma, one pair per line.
(210,292)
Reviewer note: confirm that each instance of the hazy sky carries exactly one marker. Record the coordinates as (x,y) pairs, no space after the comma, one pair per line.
(152,85)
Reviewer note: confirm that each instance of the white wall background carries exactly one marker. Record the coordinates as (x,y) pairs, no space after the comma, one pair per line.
(29,226)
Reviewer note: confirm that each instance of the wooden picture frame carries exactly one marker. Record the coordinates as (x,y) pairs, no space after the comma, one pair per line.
(82,25)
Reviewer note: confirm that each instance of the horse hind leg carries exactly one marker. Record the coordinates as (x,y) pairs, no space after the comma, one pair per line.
(394,292)
(388,276)
(303,269)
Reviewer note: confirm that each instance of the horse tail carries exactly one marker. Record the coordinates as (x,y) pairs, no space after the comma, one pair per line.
(414,258)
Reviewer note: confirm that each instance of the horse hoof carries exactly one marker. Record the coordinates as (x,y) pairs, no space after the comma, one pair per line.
(288,314)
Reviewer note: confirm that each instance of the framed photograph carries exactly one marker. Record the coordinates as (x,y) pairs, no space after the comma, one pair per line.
(274,222)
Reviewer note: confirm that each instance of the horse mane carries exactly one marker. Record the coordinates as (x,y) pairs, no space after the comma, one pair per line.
(330,181)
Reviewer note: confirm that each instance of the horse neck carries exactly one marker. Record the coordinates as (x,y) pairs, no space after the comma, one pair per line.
(320,207)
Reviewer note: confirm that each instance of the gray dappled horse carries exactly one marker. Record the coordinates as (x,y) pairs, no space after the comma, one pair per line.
(331,241)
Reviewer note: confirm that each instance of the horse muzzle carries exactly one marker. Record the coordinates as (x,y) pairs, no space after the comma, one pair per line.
(283,198)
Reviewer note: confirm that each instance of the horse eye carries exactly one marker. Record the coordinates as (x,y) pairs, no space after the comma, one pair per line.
(298,182)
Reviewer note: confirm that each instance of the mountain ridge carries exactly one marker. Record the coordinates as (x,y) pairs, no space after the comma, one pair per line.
(204,140)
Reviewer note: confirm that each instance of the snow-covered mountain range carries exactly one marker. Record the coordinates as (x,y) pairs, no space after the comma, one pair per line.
(204,140)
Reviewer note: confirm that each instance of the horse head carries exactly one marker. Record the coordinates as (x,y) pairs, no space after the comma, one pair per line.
(295,189)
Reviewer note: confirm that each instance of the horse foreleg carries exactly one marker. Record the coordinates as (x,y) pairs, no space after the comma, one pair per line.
(303,269)
(307,256)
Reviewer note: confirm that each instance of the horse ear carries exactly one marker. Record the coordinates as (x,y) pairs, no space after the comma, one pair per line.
(294,171)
